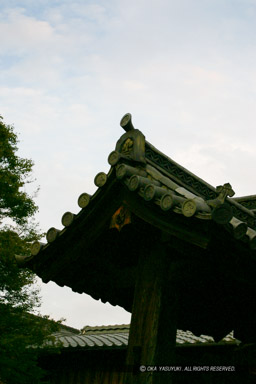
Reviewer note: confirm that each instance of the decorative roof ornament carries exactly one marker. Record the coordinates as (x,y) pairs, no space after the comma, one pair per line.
(131,145)
(52,234)
(100,179)
(120,218)
(222,212)
(224,191)
(84,200)
(67,219)
(36,247)
(126,122)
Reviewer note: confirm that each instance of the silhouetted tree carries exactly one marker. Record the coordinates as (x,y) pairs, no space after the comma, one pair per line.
(21,334)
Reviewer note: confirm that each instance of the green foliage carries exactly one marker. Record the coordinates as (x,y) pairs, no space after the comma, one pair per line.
(15,203)
(22,334)
(22,337)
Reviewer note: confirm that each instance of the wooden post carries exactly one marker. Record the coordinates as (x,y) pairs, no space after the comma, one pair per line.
(152,336)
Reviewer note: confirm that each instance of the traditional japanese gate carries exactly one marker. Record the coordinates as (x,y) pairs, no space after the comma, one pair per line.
(163,244)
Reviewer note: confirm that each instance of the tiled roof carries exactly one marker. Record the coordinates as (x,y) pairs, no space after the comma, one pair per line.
(117,337)
(163,183)
(112,340)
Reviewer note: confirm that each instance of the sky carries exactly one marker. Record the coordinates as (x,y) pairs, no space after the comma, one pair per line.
(69,70)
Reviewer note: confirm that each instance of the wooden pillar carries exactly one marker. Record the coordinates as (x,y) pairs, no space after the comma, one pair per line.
(152,336)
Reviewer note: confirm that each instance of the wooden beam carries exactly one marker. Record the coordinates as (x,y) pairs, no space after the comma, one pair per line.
(153,328)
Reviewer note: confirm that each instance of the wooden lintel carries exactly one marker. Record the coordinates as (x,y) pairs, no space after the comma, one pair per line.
(192,231)
(152,337)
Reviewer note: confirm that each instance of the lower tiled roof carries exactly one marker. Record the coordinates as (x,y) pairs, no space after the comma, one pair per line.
(116,336)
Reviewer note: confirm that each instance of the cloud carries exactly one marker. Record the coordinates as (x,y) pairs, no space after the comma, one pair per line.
(24,33)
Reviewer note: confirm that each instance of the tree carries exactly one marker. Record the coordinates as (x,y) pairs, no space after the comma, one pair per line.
(21,333)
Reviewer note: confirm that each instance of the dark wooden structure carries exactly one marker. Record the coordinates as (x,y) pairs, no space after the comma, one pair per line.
(97,355)
(163,244)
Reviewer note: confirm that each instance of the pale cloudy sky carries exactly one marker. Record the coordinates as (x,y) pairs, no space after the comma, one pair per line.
(69,70)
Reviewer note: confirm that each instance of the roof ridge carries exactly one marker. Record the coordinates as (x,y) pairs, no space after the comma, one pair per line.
(101,328)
